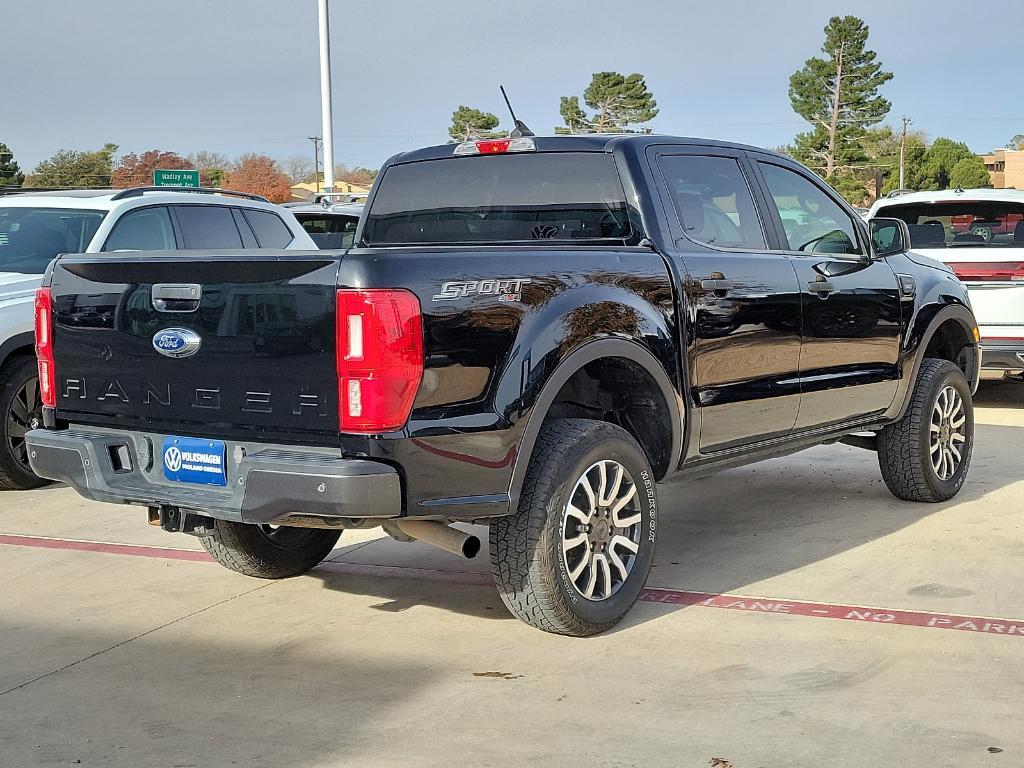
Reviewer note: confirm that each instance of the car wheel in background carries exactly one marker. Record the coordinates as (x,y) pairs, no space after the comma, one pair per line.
(22,410)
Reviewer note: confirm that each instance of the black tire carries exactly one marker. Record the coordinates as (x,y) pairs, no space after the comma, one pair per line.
(905,448)
(531,571)
(268,552)
(20,409)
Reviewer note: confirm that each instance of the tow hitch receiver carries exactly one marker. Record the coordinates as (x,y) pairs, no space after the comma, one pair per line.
(173,520)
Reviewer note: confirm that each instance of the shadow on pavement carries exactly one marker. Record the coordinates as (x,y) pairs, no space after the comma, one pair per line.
(231,697)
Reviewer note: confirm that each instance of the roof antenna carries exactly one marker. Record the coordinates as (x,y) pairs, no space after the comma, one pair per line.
(520,129)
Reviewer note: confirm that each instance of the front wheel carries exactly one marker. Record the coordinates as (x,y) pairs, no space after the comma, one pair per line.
(268,551)
(574,557)
(925,455)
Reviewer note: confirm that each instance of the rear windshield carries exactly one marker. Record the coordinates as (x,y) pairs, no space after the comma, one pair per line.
(513,198)
(962,223)
(31,237)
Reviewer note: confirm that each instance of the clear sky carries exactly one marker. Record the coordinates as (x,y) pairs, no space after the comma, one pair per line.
(242,75)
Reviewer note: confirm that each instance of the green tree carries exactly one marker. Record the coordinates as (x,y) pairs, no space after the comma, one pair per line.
(619,103)
(1017,142)
(881,145)
(838,96)
(468,124)
(10,173)
(969,173)
(939,161)
(69,169)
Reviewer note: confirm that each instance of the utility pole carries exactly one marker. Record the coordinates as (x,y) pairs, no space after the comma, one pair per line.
(903,146)
(325,94)
(316,160)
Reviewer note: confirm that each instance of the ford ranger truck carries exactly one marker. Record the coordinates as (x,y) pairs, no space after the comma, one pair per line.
(529,333)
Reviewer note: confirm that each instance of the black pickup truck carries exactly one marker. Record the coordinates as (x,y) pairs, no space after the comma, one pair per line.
(528,332)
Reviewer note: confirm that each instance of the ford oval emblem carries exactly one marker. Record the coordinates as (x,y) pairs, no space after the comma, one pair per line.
(177,342)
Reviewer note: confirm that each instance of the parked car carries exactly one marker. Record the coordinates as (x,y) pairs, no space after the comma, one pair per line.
(36,226)
(329,226)
(528,332)
(979,233)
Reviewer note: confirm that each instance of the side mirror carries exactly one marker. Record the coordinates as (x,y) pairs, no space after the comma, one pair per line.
(888,236)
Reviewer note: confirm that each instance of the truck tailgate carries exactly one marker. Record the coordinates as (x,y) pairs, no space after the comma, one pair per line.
(234,344)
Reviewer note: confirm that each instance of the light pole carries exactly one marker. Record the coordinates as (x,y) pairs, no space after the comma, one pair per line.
(325,94)
(316,160)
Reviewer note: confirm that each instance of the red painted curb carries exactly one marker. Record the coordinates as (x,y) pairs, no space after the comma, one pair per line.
(99,546)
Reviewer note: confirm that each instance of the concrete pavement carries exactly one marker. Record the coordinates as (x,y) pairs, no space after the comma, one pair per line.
(398,654)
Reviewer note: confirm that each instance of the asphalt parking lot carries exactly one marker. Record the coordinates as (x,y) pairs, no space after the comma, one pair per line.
(798,616)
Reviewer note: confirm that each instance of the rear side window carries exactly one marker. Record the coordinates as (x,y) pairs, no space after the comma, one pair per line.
(513,198)
(207,226)
(144,229)
(713,201)
(270,230)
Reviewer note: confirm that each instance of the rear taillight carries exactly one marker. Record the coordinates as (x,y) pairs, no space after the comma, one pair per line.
(380,358)
(989,271)
(44,347)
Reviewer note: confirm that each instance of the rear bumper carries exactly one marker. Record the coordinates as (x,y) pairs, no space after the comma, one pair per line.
(265,482)
(1002,356)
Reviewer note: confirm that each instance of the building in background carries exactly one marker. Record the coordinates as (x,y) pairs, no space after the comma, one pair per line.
(1005,168)
(308,191)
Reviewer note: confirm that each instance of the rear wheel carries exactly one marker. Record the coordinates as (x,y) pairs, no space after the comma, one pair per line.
(268,551)
(22,410)
(574,557)
(926,454)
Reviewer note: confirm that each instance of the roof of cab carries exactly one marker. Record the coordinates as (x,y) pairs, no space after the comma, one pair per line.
(593,142)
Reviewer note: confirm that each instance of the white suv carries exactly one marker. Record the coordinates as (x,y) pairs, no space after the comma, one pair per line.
(36,226)
(979,233)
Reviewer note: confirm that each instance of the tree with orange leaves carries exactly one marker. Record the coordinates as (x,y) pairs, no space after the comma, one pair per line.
(137,170)
(260,175)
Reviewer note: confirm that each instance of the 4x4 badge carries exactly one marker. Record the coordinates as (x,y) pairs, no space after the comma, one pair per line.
(177,342)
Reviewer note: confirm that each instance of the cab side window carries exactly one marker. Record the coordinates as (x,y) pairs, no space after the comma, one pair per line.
(813,221)
(713,201)
(144,229)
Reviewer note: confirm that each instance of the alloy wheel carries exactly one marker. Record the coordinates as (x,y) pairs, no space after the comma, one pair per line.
(601,530)
(947,433)
(25,413)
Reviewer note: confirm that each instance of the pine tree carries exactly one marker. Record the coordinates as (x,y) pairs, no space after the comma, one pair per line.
(468,124)
(619,101)
(838,96)
(10,173)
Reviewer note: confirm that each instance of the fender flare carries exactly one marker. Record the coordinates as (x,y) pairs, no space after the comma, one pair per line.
(15,344)
(581,356)
(962,315)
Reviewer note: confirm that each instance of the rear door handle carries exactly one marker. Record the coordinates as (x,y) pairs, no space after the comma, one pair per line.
(177,297)
(821,287)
